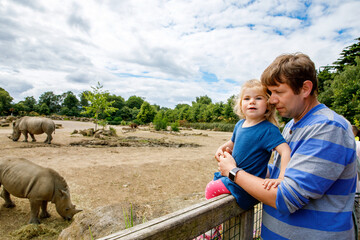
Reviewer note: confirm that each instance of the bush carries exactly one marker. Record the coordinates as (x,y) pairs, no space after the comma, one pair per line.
(217,126)
(184,123)
(175,127)
(160,124)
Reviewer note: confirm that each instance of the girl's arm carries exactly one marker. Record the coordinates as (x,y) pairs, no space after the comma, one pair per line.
(284,151)
(220,151)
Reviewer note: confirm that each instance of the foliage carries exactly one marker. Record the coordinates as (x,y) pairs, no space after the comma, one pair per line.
(338,84)
(52,102)
(216,126)
(348,56)
(346,91)
(70,105)
(102,123)
(175,127)
(98,103)
(160,121)
(5,102)
(134,102)
(147,113)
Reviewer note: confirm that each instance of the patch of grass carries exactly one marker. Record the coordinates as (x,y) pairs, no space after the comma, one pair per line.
(31,231)
(44,231)
(129,220)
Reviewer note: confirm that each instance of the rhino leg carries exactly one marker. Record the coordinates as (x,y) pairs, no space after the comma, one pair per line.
(6,196)
(33,138)
(35,209)
(44,213)
(48,139)
(26,136)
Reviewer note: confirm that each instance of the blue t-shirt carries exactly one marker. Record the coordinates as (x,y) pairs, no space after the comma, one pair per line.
(252,151)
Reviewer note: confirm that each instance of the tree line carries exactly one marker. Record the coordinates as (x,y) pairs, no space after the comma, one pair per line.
(339,89)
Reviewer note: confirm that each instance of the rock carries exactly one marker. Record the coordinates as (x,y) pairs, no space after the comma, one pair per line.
(9,119)
(102,221)
(87,132)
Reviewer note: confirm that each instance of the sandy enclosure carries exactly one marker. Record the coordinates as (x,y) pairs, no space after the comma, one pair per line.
(163,178)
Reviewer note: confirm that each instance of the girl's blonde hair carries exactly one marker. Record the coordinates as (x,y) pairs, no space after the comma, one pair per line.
(270,113)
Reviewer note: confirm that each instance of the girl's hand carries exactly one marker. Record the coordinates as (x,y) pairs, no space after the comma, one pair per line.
(219,153)
(228,150)
(226,163)
(268,183)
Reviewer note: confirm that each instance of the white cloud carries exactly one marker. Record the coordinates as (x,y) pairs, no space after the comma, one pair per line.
(158,49)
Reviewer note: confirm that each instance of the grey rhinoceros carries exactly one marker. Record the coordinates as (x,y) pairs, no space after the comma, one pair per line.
(25,179)
(33,125)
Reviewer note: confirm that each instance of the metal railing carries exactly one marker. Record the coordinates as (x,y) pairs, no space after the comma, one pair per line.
(194,221)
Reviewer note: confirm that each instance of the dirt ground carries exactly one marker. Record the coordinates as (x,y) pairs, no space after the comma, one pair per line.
(163,178)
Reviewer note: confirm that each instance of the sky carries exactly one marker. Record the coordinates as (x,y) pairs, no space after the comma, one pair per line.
(166,51)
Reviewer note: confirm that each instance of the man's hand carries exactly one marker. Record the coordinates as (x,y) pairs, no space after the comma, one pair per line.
(226,162)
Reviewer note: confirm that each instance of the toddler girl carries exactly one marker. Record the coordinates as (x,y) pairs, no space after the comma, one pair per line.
(254,137)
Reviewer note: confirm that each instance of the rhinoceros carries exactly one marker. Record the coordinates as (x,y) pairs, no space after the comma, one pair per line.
(33,125)
(25,179)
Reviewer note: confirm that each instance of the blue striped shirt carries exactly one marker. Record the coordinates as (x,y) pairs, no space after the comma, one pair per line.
(316,197)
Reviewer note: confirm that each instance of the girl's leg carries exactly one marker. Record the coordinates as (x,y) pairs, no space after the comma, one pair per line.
(215,188)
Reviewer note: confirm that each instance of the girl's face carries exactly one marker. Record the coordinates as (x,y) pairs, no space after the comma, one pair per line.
(253,104)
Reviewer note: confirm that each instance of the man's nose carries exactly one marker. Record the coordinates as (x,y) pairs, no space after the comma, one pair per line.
(273,99)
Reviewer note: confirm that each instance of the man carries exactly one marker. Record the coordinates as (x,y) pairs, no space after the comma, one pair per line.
(315,200)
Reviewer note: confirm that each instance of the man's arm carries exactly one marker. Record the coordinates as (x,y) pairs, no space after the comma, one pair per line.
(250,183)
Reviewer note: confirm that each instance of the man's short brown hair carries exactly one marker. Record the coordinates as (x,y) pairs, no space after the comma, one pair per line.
(292,69)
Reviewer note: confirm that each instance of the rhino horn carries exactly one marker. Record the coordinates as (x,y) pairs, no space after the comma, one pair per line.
(77,211)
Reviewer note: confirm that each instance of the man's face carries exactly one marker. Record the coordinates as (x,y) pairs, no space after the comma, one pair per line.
(287,103)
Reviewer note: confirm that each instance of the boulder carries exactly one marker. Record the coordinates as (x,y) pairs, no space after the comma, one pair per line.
(102,221)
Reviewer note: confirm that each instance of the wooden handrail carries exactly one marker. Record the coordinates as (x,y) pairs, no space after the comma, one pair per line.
(190,222)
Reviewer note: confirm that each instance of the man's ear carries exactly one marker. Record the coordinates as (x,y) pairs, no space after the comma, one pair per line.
(307,88)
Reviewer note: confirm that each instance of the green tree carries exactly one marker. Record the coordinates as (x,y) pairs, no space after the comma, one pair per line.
(146,114)
(346,91)
(184,111)
(98,103)
(52,101)
(228,113)
(30,104)
(217,111)
(160,120)
(325,79)
(19,108)
(348,56)
(119,103)
(5,102)
(134,102)
(203,100)
(70,105)
(44,109)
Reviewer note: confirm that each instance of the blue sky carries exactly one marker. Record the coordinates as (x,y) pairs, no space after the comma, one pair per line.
(168,52)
